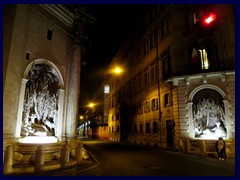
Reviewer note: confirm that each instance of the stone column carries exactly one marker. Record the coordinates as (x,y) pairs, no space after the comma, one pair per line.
(73,92)
(8,159)
(190,120)
(228,120)
(39,160)
(65,155)
(79,40)
(78,155)
(20,108)
(60,124)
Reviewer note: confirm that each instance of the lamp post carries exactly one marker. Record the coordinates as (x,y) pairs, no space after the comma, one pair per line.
(90,111)
(115,73)
(80,125)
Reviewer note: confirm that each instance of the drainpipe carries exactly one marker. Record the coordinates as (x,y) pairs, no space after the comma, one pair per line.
(158,84)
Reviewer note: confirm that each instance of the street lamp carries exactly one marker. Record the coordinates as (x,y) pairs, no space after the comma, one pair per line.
(91,105)
(80,127)
(117,70)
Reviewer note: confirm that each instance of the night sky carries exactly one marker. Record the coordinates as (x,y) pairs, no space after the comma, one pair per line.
(106,35)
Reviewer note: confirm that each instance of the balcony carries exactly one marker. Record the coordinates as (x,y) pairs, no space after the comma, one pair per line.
(227,65)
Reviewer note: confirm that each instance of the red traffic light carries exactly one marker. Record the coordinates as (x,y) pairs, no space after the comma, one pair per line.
(209,19)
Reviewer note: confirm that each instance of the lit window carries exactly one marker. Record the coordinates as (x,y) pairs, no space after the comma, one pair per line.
(155,104)
(167,99)
(204,58)
(106,89)
(146,107)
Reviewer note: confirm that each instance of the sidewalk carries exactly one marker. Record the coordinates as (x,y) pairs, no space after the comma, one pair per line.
(71,170)
(88,162)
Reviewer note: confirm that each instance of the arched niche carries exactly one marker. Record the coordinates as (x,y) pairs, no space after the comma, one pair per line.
(41,101)
(208,113)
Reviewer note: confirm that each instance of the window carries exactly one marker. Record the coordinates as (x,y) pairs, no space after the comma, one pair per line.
(145,48)
(146,76)
(141,128)
(140,53)
(135,128)
(167,99)
(106,89)
(154,104)
(117,117)
(140,81)
(163,29)
(151,41)
(204,55)
(146,20)
(204,58)
(134,89)
(146,107)
(49,35)
(27,55)
(112,129)
(199,59)
(112,118)
(155,127)
(140,108)
(153,74)
(148,128)
(134,110)
(166,64)
(117,129)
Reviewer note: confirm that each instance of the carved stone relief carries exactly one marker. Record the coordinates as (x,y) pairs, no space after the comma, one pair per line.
(208,115)
(40,102)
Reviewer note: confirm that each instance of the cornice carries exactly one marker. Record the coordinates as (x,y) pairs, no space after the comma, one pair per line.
(60,12)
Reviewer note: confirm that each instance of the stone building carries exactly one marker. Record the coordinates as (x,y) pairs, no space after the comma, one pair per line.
(95,118)
(101,98)
(43,48)
(178,87)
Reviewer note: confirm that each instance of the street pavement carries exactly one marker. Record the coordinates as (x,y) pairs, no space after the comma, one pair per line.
(122,159)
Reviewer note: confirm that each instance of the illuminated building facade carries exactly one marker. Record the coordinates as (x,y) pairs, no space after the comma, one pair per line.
(43,48)
(178,88)
(98,114)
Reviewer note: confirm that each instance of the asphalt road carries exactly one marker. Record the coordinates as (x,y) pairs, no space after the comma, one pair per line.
(116,159)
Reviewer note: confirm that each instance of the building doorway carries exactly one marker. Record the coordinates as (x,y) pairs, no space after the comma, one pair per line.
(169,127)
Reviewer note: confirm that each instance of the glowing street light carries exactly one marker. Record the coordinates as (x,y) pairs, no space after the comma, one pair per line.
(91,105)
(117,70)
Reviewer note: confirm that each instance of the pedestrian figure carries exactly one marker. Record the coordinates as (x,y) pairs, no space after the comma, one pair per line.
(220,147)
